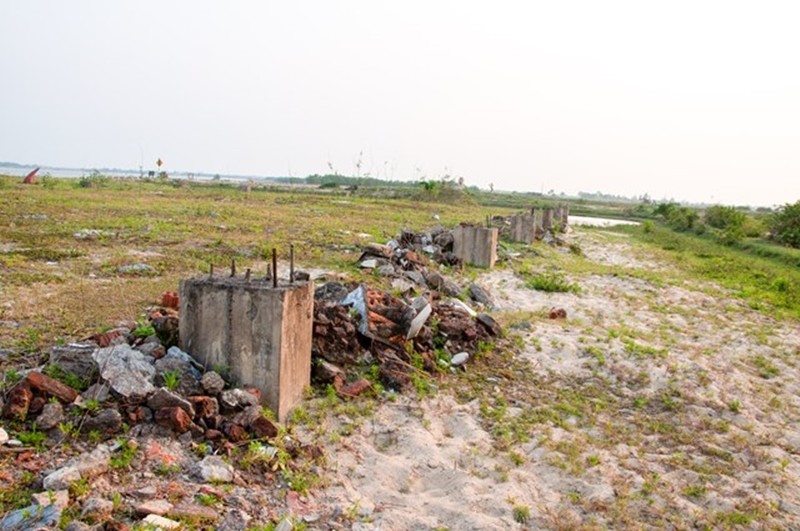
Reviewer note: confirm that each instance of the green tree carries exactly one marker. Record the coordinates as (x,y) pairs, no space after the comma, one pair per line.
(722,217)
(784,225)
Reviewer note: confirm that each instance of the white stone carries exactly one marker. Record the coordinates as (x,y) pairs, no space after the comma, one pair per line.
(459,359)
(3,436)
(461,305)
(61,478)
(213,468)
(419,321)
(160,522)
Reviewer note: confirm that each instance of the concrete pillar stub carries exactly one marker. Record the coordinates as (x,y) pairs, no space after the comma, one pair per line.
(475,245)
(564,217)
(547,219)
(259,334)
(523,228)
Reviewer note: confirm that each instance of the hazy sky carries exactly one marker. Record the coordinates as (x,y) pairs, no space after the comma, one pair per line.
(694,100)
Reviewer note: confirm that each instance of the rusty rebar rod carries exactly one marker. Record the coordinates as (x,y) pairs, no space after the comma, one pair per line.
(291,263)
(274,268)
(247,275)
(211,271)
(233,268)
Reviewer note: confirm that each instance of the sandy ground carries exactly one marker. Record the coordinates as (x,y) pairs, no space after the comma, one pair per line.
(692,418)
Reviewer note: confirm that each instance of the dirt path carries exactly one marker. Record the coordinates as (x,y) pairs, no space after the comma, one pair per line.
(655,405)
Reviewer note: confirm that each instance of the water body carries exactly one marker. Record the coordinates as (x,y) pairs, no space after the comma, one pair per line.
(587,221)
(74,173)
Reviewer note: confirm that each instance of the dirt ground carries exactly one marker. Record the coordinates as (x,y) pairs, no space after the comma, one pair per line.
(684,415)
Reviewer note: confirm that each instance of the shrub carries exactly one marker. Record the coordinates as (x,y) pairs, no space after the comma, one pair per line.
(784,225)
(722,217)
(94,180)
(682,218)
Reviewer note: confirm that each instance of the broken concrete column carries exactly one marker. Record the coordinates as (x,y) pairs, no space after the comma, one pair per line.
(475,245)
(258,333)
(523,228)
(547,219)
(564,220)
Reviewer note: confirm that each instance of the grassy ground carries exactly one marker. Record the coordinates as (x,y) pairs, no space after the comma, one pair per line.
(62,244)
(762,274)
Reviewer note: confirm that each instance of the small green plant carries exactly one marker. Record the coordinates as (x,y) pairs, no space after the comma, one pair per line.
(69,429)
(94,436)
(92,405)
(117,500)
(422,383)
(144,330)
(735,406)
(593,460)
(12,376)
(766,369)
(551,282)
(124,456)
(522,513)
(209,500)
(172,379)
(33,438)
(694,491)
(166,470)
(79,487)
(516,458)
(202,449)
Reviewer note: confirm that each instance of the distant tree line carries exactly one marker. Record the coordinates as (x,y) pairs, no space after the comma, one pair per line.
(730,225)
(332,180)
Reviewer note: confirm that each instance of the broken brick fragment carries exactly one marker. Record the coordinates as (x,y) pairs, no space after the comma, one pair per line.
(52,387)
(104,340)
(18,401)
(169,299)
(263,428)
(174,418)
(37,405)
(234,432)
(354,389)
(558,313)
(204,406)
(213,435)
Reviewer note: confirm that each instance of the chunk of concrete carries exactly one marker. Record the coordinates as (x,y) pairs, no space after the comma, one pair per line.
(129,372)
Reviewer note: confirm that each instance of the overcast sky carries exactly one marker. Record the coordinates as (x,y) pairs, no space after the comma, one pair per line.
(690,100)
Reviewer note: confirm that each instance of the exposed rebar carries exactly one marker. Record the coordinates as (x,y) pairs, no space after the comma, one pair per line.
(274,268)
(291,263)
(233,268)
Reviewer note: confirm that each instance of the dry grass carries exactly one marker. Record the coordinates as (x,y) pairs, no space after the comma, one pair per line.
(56,286)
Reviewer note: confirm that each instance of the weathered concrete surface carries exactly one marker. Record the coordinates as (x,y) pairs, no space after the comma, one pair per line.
(563,217)
(259,335)
(475,245)
(547,219)
(523,228)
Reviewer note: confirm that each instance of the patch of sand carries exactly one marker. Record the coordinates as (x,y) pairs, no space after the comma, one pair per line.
(697,423)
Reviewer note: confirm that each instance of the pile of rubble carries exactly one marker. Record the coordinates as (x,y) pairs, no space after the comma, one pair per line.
(141,391)
(409,254)
(357,326)
(361,327)
(411,260)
